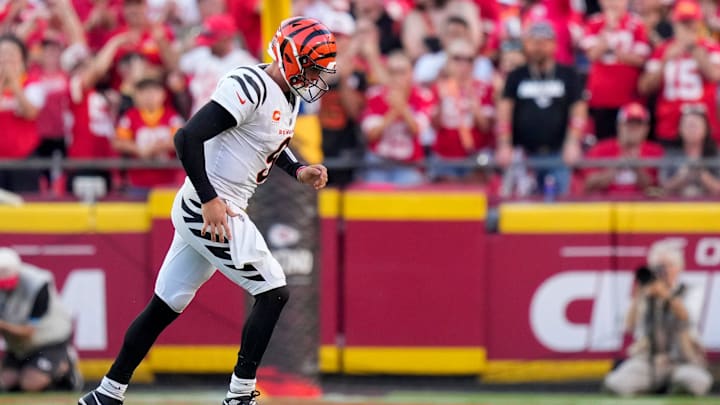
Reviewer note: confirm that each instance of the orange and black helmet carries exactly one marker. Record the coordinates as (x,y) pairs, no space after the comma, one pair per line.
(302,44)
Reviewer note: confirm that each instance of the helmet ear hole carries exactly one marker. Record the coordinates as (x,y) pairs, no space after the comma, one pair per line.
(304,60)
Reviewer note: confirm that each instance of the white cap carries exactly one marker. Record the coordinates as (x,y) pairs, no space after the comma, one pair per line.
(9,263)
(340,22)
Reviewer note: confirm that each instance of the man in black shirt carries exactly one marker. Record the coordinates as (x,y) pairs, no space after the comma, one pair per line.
(542,111)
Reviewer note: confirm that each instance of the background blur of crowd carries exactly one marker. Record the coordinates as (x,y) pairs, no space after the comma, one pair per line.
(515,95)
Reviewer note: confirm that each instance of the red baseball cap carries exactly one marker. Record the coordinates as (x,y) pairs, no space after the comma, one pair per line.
(9,268)
(216,28)
(633,112)
(687,10)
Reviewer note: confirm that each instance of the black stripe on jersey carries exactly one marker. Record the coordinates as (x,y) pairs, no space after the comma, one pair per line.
(255,87)
(250,267)
(194,216)
(220,252)
(264,92)
(208,236)
(195,203)
(244,88)
(223,253)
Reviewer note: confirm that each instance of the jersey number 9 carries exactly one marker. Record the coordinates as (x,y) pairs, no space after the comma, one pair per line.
(270,161)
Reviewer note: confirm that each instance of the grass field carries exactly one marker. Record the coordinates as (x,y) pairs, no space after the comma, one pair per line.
(398,398)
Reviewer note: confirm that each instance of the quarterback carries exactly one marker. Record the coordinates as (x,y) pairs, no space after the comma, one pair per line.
(227,148)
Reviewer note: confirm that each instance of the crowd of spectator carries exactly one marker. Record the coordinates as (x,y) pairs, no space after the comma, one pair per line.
(510,94)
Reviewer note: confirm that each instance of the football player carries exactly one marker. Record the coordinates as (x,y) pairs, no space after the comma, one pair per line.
(227,148)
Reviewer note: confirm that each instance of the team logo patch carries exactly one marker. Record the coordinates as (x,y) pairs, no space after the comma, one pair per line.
(276,116)
(282,235)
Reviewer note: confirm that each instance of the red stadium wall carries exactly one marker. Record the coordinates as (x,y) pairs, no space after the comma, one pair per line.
(411,282)
(543,299)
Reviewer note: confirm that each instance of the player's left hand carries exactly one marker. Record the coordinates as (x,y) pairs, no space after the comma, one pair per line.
(314,175)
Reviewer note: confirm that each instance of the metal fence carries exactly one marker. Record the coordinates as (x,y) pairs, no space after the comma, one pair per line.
(479,162)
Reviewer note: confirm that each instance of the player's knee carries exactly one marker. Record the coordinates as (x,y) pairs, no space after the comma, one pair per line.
(277,297)
(177,302)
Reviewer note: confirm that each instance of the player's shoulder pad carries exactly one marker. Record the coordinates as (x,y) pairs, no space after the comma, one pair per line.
(251,83)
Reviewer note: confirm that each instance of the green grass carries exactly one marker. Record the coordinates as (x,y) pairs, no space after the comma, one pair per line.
(544,399)
(400,397)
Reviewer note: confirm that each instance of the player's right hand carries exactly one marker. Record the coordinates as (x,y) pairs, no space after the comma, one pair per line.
(215,219)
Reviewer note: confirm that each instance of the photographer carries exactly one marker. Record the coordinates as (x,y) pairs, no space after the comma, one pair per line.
(36,328)
(665,352)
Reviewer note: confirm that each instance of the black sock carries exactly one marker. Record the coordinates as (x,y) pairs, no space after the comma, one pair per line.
(258,329)
(139,337)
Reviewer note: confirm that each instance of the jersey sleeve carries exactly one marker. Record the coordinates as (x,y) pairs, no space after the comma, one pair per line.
(240,92)
(590,38)
(713,54)
(641,42)
(654,64)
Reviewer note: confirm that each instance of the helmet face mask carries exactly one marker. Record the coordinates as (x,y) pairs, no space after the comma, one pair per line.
(305,70)
(310,89)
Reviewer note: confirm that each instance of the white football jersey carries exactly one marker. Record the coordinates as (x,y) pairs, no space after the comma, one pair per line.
(241,157)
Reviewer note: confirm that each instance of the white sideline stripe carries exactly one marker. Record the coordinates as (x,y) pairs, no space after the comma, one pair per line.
(603,251)
(55,250)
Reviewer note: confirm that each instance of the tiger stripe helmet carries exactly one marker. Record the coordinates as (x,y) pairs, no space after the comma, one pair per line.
(302,45)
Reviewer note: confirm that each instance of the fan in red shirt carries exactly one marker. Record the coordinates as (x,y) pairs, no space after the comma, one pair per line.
(632,127)
(155,41)
(247,17)
(52,122)
(392,122)
(21,100)
(99,19)
(685,70)
(491,23)
(93,119)
(616,43)
(464,110)
(146,131)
